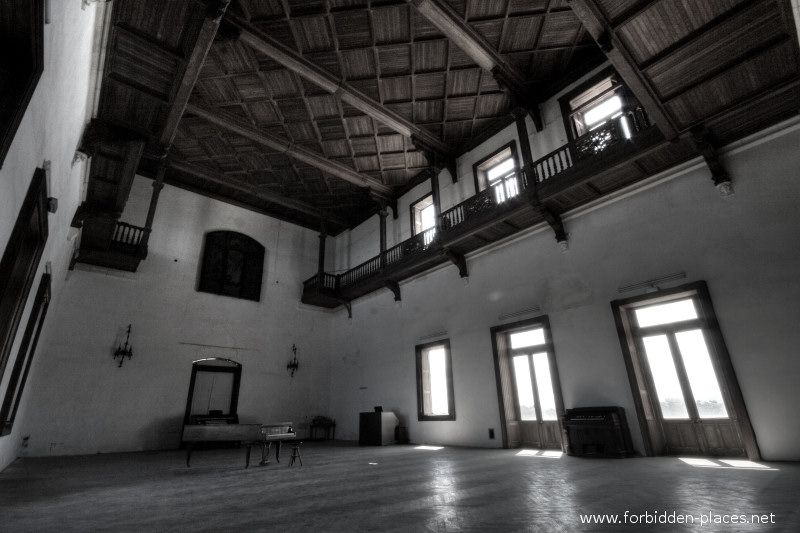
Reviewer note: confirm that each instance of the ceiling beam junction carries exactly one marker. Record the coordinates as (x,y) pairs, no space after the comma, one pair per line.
(472,43)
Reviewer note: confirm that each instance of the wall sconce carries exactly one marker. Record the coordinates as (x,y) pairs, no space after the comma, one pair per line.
(124,351)
(293,364)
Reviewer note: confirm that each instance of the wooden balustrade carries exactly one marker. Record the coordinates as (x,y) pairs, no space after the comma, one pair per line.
(494,198)
(364,270)
(125,233)
(553,163)
(321,280)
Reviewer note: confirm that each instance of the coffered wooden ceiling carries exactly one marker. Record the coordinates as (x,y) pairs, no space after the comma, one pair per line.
(317,110)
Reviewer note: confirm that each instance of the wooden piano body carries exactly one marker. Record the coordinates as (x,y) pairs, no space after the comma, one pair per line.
(248,434)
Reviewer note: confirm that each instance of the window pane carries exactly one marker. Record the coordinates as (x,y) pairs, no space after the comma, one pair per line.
(531,337)
(702,379)
(522,375)
(668,388)
(427,217)
(500,169)
(666,313)
(601,111)
(547,400)
(438,375)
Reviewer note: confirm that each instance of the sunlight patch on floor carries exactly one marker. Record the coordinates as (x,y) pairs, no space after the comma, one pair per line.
(546,454)
(739,464)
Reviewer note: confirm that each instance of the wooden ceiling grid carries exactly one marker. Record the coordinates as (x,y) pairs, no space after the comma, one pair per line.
(301,108)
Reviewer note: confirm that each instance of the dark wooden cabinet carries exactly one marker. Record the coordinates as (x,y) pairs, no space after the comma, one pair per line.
(597,432)
(377,429)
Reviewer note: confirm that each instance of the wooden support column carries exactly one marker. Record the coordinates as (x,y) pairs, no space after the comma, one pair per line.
(383,212)
(704,144)
(437,202)
(553,219)
(321,260)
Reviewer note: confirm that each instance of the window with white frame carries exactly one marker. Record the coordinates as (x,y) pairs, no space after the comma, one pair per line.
(435,399)
(594,106)
(499,173)
(423,218)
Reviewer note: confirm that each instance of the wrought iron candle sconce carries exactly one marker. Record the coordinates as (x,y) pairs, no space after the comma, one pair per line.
(124,351)
(293,364)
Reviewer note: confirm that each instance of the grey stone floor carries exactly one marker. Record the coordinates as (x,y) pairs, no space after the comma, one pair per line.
(395,488)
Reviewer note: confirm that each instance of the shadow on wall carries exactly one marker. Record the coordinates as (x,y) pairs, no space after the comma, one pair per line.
(162,433)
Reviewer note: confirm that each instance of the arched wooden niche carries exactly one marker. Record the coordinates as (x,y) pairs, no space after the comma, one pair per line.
(232,265)
(213,391)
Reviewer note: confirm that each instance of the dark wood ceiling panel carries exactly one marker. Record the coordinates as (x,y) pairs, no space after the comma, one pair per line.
(427,86)
(480,9)
(735,85)
(666,22)
(143,64)
(521,34)
(464,82)
(156,19)
(263,9)
(358,64)
(390,24)
(616,9)
(719,48)
(314,34)
(394,60)
(250,87)
(560,29)
(129,108)
(396,89)
(764,112)
(235,57)
(330,130)
(430,56)
(323,107)
(353,29)
(281,83)
(428,111)
(460,108)
(666,156)
(517,7)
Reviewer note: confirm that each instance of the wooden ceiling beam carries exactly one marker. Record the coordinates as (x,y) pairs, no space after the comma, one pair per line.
(215,9)
(464,36)
(204,174)
(240,127)
(601,30)
(288,58)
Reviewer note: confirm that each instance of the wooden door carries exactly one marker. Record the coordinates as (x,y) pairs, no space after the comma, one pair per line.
(527,385)
(693,412)
(687,398)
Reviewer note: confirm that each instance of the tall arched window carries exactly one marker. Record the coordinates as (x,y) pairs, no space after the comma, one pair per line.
(232,265)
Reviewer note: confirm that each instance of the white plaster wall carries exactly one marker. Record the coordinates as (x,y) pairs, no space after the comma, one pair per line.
(85,403)
(50,130)
(744,246)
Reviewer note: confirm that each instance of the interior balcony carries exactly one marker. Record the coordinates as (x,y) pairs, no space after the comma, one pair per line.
(109,243)
(620,153)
